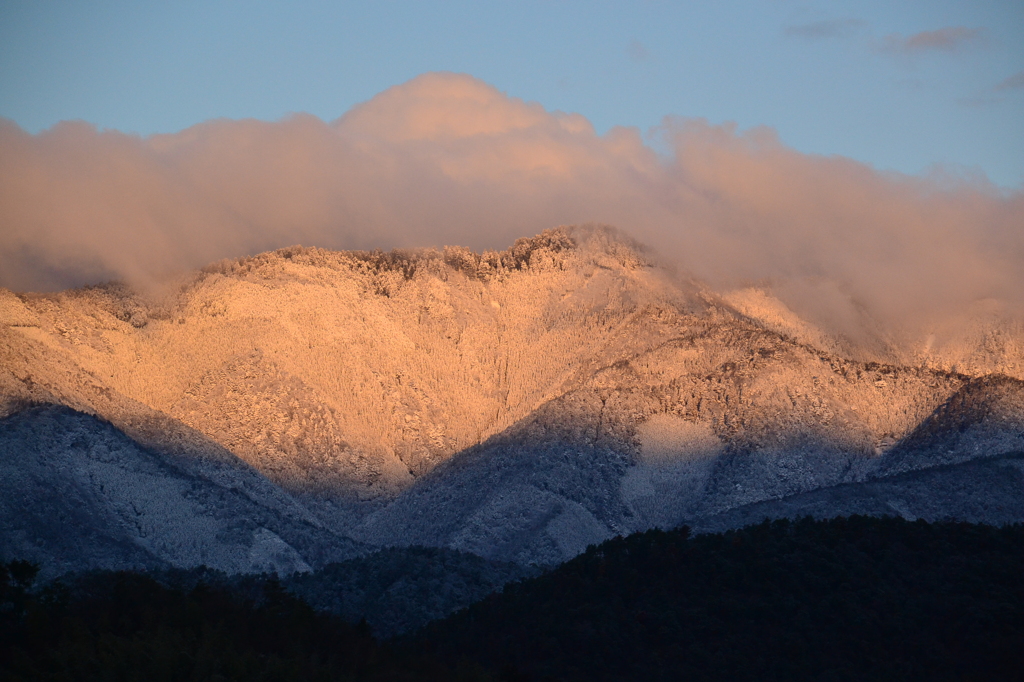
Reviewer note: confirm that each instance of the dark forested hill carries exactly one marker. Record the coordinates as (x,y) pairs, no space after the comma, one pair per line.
(401,589)
(848,599)
(856,598)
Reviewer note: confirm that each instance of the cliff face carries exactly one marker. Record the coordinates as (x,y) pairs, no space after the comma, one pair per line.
(519,404)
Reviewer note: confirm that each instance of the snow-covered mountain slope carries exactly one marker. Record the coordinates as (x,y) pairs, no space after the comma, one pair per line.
(340,372)
(985,490)
(655,441)
(78,494)
(518,405)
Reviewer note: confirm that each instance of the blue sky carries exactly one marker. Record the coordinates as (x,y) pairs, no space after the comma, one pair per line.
(899,85)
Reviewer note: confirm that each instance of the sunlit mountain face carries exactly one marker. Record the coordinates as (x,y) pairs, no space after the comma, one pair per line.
(305,405)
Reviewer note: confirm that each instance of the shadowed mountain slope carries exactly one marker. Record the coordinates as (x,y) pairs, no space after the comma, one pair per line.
(986,490)
(79,494)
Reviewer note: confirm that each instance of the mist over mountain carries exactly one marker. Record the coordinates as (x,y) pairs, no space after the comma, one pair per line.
(448,159)
(305,406)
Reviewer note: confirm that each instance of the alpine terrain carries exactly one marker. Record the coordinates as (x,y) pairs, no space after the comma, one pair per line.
(301,407)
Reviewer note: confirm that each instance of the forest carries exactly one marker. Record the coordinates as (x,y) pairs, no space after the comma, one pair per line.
(856,598)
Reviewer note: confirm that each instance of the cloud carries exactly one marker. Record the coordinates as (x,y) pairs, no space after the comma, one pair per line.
(1014,82)
(995,94)
(949,39)
(447,159)
(831,28)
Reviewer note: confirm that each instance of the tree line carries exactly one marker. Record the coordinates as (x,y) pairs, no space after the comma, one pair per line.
(856,598)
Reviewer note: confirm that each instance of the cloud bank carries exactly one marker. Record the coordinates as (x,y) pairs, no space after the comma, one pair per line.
(1014,82)
(948,39)
(447,159)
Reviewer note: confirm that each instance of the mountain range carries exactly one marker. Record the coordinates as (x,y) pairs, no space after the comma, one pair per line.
(302,407)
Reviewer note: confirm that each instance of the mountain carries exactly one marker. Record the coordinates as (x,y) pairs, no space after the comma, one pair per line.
(985,490)
(519,405)
(80,494)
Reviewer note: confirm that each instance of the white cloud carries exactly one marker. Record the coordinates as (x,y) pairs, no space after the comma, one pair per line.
(447,159)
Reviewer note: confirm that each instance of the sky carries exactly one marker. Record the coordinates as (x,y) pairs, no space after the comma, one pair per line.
(901,85)
(850,157)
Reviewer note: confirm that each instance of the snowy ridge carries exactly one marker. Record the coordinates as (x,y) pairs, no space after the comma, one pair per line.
(79,494)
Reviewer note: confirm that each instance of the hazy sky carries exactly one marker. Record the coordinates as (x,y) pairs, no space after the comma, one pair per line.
(899,85)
